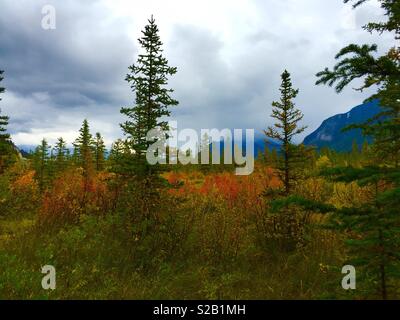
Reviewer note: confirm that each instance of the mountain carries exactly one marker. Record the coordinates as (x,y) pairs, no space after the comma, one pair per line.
(24,154)
(330,134)
(26,148)
(259,145)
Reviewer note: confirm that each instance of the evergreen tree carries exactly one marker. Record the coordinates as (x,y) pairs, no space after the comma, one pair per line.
(99,152)
(61,154)
(374,237)
(372,229)
(285,129)
(148,79)
(205,154)
(4,137)
(84,149)
(120,157)
(6,150)
(119,153)
(75,156)
(117,149)
(41,164)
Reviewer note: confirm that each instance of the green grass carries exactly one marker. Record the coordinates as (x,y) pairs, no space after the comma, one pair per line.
(97,260)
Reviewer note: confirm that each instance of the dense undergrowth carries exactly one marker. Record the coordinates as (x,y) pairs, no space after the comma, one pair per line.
(214,237)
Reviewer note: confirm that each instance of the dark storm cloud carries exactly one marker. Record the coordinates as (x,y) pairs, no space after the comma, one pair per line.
(78,63)
(79,66)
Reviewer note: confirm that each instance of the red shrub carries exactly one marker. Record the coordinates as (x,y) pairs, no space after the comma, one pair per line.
(72,195)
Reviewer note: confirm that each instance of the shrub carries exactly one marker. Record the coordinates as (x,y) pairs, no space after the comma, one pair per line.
(70,197)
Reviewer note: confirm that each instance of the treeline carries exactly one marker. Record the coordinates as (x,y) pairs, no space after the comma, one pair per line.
(89,153)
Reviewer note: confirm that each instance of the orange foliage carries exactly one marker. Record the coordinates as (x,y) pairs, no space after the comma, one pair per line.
(236,191)
(182,184)
(174,177)
(72,195)
(24,183)
(24,192)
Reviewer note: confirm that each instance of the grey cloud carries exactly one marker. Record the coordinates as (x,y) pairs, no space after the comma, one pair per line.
(80,57)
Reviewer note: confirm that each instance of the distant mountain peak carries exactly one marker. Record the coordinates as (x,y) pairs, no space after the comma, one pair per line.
(330,134)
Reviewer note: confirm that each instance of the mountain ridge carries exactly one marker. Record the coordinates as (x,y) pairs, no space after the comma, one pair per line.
(330,134)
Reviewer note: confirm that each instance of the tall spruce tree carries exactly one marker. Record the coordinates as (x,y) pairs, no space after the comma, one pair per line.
(61,154)
(119,150)
(41,164)
(374,238)
(5,142)
(4,137)
(6,149)
(84,149)
(285,129)
(99,152)
(148,79)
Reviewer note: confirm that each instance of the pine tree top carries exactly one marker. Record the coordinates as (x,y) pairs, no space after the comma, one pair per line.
(3,119)
(1,79)
(285,112)
(85,137)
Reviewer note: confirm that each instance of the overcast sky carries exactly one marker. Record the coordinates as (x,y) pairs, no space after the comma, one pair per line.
(229,55)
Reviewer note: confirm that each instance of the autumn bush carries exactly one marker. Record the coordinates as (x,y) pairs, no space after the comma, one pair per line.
(70,197)
(19,194)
